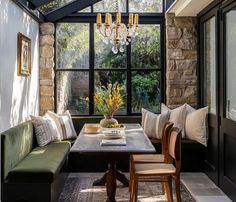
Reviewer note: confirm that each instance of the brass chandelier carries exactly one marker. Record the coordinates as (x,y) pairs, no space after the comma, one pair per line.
(117,33)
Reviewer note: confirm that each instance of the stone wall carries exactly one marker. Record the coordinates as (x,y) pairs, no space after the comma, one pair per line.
(46,64)
(181,61)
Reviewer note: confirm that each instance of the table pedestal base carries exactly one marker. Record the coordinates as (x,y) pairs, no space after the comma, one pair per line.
(109,180)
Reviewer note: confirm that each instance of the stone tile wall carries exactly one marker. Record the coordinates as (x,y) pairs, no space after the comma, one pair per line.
(46,64)
(181,61)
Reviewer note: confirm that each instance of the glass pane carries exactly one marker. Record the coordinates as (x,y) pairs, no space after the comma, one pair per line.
(85,10)
(230,64)
(146,48)
(141,6)
(72,46)
(146,91)
(106,77)
(109,6)
(104,57)
(210,65)
(53,5)
(72,89)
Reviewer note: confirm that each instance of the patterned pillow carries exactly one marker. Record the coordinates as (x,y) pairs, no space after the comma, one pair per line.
(177,116)
(153,123)
(45,130)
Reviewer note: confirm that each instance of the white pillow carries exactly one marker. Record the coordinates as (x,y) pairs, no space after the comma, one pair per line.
(177,116)
(196,124)
(153,124)
(67,126)
(57,121)
(45,130)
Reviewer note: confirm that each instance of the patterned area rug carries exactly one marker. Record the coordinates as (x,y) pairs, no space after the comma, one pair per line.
(78,188)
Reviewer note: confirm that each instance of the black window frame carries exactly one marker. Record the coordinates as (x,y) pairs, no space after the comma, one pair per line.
(90,18)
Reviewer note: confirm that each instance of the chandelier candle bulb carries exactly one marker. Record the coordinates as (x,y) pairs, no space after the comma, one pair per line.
(118,18)
(110,19)
(131,19)
(107,19)
(99,19)
(136,19)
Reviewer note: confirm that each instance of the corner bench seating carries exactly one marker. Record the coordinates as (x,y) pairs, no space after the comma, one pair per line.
(192,152)
(28,172)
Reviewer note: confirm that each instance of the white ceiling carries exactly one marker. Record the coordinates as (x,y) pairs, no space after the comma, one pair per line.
(188,7)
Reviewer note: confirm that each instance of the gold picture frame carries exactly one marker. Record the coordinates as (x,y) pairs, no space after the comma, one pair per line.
(23,55)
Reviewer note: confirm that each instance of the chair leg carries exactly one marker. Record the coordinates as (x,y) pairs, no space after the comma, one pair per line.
(163,187)
(177,187)
(135,188)
(168,189)
(131,186)
(130,173)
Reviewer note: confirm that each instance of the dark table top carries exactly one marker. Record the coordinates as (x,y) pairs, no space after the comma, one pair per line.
(136,142)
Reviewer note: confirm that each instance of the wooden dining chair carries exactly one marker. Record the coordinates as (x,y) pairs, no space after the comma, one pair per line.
(153,158)
(161,172)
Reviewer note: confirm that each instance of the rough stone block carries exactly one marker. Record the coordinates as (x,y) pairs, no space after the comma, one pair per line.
(47,28)
(185,22)
(46,82)
(171,65)
(187,44)
(169,21)
(49,63)
(190,91)
(42,62)
(189,32)
(186,64)
(172,44)
(189,54)
(46,90)
(46,51)
(173,33)
(175,54)
(46,73)
(46,103)
(46,40)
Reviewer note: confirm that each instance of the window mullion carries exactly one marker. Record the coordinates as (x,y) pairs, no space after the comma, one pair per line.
(91,68)
(128,82)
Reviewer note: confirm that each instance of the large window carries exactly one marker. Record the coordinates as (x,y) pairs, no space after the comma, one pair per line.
(84,61)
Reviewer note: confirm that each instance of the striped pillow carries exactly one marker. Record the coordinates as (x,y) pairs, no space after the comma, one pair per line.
(64,124)
(67,126)
(45,130)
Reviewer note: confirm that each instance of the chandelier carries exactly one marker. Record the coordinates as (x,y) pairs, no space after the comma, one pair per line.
(117,33)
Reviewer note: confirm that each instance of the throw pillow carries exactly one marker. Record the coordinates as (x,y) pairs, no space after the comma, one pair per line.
(177,116)
(56,119)
(153,124)
(45,130)
(67,126)
(196,124)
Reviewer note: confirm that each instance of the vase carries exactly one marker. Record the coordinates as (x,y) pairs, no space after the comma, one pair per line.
(107,121)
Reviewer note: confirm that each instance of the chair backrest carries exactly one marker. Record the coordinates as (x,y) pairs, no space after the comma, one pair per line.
(165,139)
(175,146)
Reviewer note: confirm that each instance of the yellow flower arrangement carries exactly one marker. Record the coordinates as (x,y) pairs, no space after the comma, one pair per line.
(108,99)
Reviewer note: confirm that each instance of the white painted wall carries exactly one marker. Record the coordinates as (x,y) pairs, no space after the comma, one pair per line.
(19,96)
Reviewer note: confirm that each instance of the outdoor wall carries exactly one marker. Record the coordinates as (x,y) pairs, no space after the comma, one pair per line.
(181,61)
(19,96)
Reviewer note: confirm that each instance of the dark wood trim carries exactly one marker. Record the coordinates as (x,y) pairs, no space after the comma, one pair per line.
(67,9)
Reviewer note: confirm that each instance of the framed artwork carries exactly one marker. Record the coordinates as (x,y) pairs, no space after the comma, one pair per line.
(24,55)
